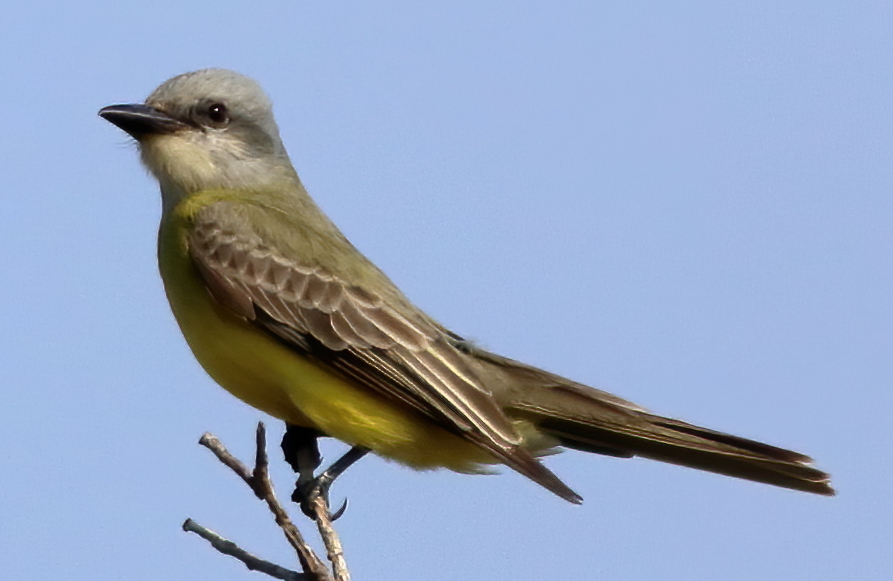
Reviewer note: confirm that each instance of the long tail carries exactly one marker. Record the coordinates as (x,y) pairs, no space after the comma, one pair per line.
(688,445)
(591,420)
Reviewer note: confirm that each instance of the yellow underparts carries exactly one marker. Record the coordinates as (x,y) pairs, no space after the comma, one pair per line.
(266,374)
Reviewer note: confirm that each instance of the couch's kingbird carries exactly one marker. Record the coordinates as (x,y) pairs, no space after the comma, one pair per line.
(283,311)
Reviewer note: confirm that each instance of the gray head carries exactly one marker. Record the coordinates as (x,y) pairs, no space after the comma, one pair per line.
(217,99)
(206,129)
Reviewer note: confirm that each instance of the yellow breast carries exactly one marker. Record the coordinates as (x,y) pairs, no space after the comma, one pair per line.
(268,375)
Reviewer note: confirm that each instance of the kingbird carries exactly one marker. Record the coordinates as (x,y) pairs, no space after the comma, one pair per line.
(286,314)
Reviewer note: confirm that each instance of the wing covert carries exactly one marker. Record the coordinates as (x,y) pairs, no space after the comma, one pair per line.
(398,352)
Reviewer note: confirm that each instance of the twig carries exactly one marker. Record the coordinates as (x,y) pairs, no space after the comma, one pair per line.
(330,538)
(230,548)
(259,482)
(300,446)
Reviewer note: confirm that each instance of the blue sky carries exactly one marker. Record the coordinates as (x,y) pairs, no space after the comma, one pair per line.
(689,204)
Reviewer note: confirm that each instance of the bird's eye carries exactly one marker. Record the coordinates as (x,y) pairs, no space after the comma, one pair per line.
(218,114)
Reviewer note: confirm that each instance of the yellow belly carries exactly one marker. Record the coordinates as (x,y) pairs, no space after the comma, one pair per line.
(266,374)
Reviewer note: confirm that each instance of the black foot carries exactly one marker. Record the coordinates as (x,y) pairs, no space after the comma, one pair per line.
(302,453)
(300,448)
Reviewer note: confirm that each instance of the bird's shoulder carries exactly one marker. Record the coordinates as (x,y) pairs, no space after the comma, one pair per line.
(290,228)
(265,251)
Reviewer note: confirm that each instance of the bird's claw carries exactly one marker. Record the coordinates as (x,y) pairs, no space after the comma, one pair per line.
(307,492)
(340,512)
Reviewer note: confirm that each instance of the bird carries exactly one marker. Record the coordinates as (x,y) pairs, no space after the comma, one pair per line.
(285,313)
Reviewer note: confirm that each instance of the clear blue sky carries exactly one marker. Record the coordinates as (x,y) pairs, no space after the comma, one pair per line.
(689,204)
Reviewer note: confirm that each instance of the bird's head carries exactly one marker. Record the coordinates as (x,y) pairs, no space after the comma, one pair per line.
(208,129)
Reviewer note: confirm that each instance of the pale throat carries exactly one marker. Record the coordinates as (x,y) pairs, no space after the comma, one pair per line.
(185,164)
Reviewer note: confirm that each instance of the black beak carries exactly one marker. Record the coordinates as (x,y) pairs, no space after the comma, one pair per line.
(140,120)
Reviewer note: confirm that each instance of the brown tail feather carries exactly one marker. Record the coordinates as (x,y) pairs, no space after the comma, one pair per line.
(630,432)
(587,419)
(706,454)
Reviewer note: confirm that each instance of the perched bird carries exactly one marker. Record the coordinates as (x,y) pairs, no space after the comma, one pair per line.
(286,314)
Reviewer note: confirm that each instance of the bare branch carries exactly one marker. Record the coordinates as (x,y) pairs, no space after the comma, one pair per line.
(230,548)
(300,446)
(259,481)
(330,538)
(212,443)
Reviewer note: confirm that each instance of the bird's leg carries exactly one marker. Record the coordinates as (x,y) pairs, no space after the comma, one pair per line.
(302,453)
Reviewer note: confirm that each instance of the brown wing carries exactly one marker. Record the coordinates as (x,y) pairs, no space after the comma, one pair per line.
(391,349)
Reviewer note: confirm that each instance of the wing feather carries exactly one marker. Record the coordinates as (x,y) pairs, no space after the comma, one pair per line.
(397,352)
